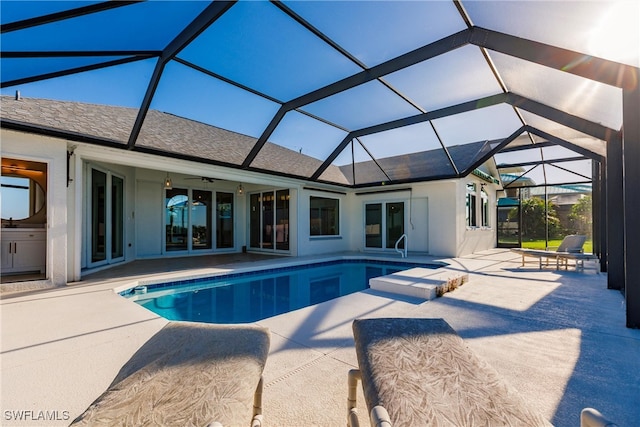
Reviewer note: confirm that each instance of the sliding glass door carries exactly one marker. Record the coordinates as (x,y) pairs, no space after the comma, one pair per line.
(269,220)
(384,225)
(177,220)
(190,224)
(106,217)
(395,224)
(201,214)
(224,220)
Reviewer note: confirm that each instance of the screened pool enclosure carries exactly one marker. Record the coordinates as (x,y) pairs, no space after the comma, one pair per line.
(369,93)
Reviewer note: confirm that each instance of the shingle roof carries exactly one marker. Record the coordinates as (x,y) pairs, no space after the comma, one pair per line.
(169,133)
(161,131)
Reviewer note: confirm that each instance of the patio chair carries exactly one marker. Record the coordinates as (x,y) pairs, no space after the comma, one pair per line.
(570,248)
(188,374)
(590,417)
(418,372)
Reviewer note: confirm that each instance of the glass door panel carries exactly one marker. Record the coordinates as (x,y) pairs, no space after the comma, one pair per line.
(201,219)
(98,216)
(254,220)
(282,220)
(105,213)
(373,225)
(177,219)
(395,224)
(224,220)
(117,217)
(267,221)
(508,212)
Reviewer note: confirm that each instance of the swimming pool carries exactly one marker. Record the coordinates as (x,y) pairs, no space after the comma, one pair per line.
(252,296)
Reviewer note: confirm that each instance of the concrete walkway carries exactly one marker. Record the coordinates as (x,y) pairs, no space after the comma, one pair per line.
(558,337)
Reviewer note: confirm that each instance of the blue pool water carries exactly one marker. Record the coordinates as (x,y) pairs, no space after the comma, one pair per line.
(249,297)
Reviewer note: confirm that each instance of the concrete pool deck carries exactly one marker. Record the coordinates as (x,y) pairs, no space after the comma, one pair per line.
(558,337)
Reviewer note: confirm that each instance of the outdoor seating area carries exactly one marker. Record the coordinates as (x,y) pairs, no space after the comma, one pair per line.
(419,372)
(545,334)
(571,248)
(433,199)
(188,374)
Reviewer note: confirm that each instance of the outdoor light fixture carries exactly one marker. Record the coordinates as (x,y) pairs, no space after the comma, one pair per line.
(168,185)
(240,190)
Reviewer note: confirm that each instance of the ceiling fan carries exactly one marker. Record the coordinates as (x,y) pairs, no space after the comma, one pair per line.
(203,178)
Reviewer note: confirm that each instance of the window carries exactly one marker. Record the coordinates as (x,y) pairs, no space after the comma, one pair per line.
(471,216)
(324,217)
(484,197)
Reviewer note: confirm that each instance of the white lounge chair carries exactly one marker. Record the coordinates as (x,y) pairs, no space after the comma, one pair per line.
(570,248)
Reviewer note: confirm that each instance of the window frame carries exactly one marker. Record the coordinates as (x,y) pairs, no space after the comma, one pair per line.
(324,229)
(471,209)
(485,216)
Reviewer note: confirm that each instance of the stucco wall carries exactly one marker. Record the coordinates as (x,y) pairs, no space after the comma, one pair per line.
(53,152)
(475,239)
(434,211)
(442,221)
(309,245)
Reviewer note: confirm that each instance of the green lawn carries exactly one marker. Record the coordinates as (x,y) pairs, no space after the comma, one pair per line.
(553,244)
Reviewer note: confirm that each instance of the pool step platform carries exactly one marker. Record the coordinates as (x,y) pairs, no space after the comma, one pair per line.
(424,283)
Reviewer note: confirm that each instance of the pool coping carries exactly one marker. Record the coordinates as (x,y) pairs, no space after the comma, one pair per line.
(266,265)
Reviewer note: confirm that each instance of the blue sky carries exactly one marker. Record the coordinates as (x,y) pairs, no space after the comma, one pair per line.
(257,45)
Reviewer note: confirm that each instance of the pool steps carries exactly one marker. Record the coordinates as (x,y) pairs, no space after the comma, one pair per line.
(419,282)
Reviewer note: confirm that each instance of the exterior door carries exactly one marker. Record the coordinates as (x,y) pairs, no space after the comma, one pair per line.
(177,220)
(269,220)
(384,225)
(509,235)
(106,217)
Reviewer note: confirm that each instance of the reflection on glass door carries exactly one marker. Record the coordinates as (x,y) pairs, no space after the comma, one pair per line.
(509,235)
(395,224)
(98,215)
(106,213)
(189,220)
(254,220)
(282,220)
(117,217)
(201,219)
(269,220)
(373,225)
(382,231)
(224,220)
(177,219)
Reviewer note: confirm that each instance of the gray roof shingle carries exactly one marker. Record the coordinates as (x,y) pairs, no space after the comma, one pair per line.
(160,131)
(169,133)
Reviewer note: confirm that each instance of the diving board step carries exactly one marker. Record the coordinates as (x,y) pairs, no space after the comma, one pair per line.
(424,283)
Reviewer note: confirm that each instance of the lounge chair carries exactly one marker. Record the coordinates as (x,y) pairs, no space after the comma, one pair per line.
(188,374)
(590,417)
(570,248)
(418,372)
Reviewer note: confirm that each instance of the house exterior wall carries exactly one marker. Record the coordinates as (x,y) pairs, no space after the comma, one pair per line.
(479,238)
(308,244)
(434,217)
(53,152)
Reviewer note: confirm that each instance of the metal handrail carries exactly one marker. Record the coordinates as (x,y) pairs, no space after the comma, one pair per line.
(403,252)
